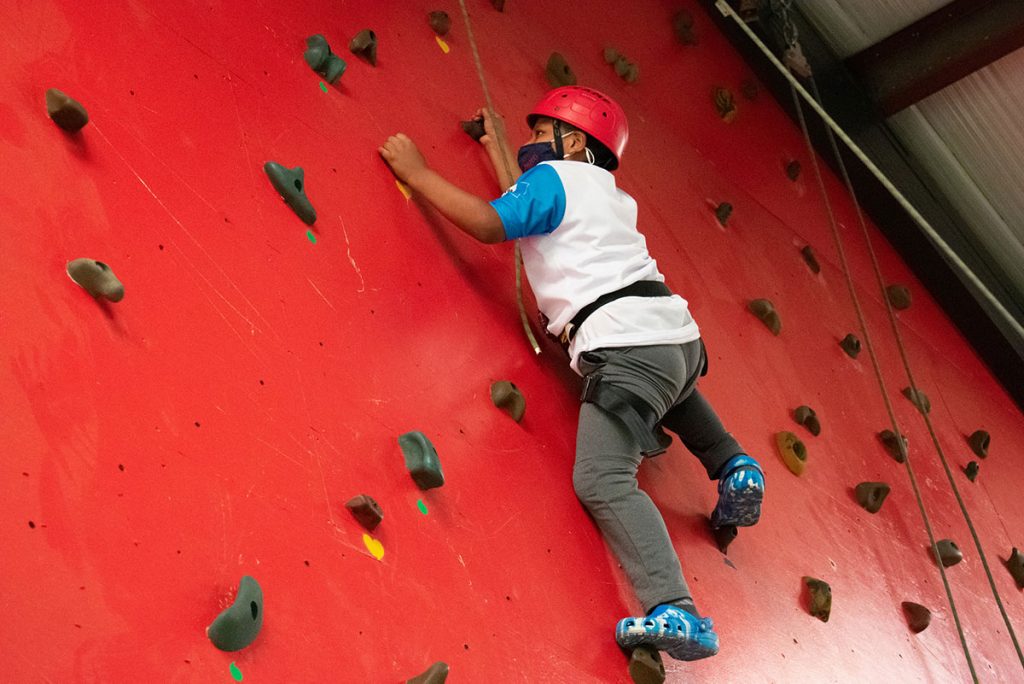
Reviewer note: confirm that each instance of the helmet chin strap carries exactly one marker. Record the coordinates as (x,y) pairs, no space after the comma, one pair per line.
(556,128)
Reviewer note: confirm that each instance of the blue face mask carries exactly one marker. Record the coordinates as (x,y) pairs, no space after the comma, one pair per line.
(534,153)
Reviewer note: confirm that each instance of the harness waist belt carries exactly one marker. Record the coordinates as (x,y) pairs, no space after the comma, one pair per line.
(641,288)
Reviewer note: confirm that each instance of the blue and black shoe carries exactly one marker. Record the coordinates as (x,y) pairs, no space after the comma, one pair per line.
(740,492)
(670,629)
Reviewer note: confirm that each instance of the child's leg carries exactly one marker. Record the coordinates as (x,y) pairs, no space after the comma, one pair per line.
(607,458)
(701,431)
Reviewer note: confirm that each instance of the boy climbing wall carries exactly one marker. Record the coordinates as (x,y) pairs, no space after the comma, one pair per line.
(631,339)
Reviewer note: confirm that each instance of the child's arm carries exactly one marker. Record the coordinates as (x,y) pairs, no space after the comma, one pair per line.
(495,141)
(469,213)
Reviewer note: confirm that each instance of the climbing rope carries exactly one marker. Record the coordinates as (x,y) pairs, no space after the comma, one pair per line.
(794,59)
(503,151)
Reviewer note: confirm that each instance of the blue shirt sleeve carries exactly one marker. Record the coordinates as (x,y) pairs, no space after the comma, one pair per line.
(535,205)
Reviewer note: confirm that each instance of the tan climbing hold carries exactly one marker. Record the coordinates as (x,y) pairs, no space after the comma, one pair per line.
(435,674)
(440,22)
(810,258)
(820,604)
(918,617)
(896,446)
(645,666)
(766,313)
(899,296)
(725,104)
(979,441)
(918,399)
(558,71)
(792,451)
(805,415)
(682,24)
(65,111)
(871,495)
(97,279)
(850,345)
(364,44)
(509,399)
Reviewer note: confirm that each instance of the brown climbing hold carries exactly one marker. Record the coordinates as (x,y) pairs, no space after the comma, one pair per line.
(893,445)
(722,212)
(850,345)
(610,55)
(899,296)
(724,535)
(918,399)
(682,24)
(440,22)
(871,495)
(725,105)
(979,441)
(364,45)
(366,511)
(918,617)
(509,399)
(793,170)
(97,279)
(474,128)
(805,415)
(949,553)
(765,311)
(792,451)
(67,112)
(645,666)
(820,605)
(435,674)
(810,258)
(971,470)
(1015,564)
(558,71)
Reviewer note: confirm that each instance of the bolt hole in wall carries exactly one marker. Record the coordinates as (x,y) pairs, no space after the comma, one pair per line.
(267,481)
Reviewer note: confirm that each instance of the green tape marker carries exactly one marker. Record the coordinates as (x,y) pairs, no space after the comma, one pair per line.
(323,87)
(236,674)
(312,238)
(422,506)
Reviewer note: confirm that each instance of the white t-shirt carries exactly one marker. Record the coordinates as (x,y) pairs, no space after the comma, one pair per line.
(579,241)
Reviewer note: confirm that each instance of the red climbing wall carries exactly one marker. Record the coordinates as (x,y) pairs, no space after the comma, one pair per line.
(255,377)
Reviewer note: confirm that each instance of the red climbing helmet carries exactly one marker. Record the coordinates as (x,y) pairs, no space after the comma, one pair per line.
(589,110)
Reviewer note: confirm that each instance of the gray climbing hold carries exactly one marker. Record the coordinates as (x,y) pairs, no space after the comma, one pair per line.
(918,617)
(645,666)
(918,399)
(509,399)
(1015,564)
(435,674)
(724,535)
(682,24)
(290,184)
(850,345)
(474,128)
(319,57)
(896,446)
(810,259)
(805,415)
(722,212)
(97,279)
(820,605)
(440,22)
(365,510)
(364,45)
(899,296)
(766,313)
(558,71)
(238,625)
(67,112)
(979,441)
(971,470)
(421,460)
(949,553)
(871,495)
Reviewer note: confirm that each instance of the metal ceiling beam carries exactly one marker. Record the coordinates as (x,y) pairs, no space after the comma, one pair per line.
(938,50)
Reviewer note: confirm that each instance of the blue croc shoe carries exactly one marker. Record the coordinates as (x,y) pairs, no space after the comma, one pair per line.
(740,492)
(670,629)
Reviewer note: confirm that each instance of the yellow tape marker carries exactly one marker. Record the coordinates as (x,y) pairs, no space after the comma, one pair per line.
(404,189)
(443,45)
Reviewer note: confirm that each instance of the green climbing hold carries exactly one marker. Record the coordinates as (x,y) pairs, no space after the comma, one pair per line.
(509,399)
(237,626)
(435,674)
(558,71)
(645,666)
(290,184)
(96,278)
(421,460)
(871,495)
(792,451)
(319,57)
(820,604)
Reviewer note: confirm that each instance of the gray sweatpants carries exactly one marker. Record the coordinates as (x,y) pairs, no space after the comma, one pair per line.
(607,458)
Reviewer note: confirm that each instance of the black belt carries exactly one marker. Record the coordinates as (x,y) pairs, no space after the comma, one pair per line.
(641,288)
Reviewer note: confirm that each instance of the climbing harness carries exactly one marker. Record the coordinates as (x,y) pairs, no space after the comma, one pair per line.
(641,288)
(792,51)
